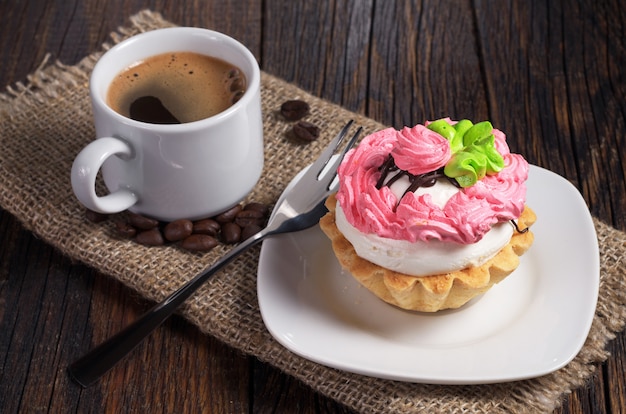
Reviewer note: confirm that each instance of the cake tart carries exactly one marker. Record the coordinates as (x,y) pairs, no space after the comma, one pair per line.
(428,218)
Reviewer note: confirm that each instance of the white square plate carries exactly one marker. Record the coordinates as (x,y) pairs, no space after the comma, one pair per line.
(532,323)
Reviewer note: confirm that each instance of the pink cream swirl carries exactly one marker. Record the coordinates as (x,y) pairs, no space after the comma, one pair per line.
(420,150)
(465,218)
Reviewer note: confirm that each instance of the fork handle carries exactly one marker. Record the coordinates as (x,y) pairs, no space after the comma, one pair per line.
(103,357)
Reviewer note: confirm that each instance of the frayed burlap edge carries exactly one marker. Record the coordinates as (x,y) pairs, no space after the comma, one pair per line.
(226,308)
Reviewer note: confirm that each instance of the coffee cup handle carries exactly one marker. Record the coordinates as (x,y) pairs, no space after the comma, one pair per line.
(85,169)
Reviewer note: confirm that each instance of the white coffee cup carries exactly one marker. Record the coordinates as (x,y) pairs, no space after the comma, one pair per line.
(191,170)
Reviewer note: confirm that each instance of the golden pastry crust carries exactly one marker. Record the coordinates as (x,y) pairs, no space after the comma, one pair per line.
(429,293)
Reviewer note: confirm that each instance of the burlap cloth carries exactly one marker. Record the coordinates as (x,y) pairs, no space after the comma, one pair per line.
(46,121)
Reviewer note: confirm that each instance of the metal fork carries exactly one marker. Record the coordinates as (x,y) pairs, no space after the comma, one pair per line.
(300,206)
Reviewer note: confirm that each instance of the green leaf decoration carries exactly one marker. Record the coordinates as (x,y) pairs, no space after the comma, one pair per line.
(474,154)
(449,132)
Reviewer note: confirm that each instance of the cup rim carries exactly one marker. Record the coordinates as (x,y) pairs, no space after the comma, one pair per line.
(253,83)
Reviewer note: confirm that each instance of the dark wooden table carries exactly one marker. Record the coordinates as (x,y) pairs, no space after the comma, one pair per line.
(551,74)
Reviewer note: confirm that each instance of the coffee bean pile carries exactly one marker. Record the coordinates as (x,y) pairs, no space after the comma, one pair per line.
(295,110)
(231,227)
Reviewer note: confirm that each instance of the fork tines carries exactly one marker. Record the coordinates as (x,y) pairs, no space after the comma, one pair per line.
(320,165)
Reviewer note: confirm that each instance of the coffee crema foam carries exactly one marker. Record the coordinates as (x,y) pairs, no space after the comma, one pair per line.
(176,87)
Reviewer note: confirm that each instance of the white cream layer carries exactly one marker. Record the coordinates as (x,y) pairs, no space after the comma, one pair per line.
(423,258)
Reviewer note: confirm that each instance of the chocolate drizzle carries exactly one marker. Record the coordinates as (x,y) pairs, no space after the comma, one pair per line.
(428,179)
(517,229)
(389,168)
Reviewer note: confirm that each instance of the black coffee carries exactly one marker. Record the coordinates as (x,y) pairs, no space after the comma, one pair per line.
(176,88)
(150,109)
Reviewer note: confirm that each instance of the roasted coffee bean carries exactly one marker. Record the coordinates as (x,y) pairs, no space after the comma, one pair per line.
(125,230)
(294,110)
(228,215)
(178,230)
(247,217)
(199,243)
(249,231)
(152,237)
(206,226)
(95,217)
(306,131)
(142,222)
(231,233)
(263,208)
